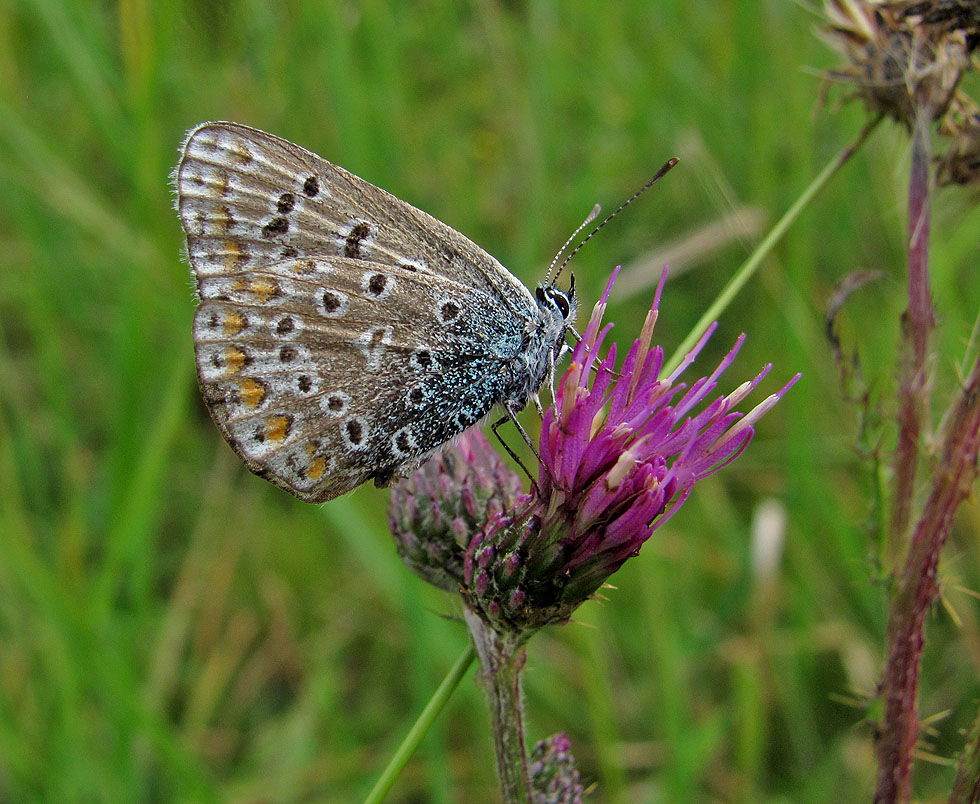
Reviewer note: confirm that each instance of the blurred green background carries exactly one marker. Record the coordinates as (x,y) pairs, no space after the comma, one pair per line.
(172,628)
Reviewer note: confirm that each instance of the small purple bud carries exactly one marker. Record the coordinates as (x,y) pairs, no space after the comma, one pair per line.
(486,555)
(554,779)
(435,513)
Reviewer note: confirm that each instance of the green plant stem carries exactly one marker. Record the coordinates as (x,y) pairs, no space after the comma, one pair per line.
(751,265)
(501,662)
(432,709)
(966,786)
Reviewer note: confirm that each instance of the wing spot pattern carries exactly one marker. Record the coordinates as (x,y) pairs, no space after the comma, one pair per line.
(276,226)
(234,323)
(262,288)
(252,392)
(334,303)
(232,361)
(336,403)
(357,235)
(422,359)
(372,343)
(275,429)
(378,285)
(402,443)
(449,311)
(354,432)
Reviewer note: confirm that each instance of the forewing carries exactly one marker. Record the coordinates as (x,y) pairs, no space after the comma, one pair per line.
(248,199)
(324,372)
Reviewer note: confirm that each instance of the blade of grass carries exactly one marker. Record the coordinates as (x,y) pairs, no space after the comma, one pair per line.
(751,265)
(436,704)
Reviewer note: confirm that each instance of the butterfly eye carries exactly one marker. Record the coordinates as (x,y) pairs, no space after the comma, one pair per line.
(539,293)
(562,304)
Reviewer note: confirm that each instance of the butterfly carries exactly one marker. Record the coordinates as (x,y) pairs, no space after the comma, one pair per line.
(342,334)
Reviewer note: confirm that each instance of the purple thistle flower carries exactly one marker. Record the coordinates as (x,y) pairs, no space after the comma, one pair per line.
(620,453)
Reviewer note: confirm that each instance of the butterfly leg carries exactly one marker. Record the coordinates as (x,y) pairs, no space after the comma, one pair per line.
(551,377)
(511,416)
(536,399)
(553,361)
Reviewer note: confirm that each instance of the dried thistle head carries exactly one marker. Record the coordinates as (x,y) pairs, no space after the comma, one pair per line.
(905,59)
(961,162)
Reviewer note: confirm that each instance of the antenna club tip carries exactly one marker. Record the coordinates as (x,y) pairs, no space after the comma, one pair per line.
(595,210)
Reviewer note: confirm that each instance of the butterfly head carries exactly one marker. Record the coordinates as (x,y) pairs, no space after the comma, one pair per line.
(561,304)
(546,338)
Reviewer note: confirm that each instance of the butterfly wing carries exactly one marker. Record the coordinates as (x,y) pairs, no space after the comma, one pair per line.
(342,333)
(322,373)
(247,199)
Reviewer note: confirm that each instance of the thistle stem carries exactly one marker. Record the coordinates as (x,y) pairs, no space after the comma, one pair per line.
(917,325)
(501,662)
(916,584)
(900,724)
(917,591)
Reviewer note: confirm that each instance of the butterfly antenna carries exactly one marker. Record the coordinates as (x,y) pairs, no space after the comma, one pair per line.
(592,216)
(657,176)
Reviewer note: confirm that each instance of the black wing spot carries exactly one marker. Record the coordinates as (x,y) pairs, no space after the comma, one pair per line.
(377,284)
(331,301)
(352,247)
(276,226)
(355,431)
(449,311)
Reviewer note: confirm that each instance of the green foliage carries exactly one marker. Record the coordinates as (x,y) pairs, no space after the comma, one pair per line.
(173,628)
